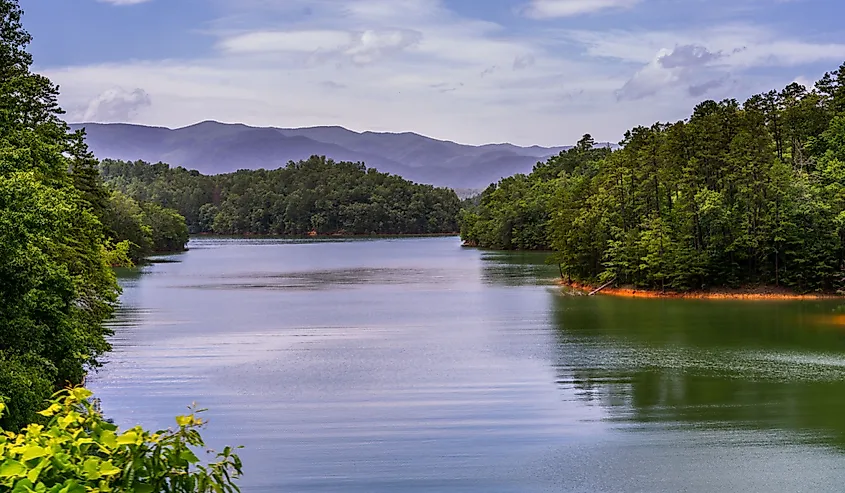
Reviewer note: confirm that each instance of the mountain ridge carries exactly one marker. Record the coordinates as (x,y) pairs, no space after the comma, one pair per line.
(212,147)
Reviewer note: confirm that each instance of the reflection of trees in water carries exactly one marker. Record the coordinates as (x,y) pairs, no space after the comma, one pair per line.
(517,268)
(707,365)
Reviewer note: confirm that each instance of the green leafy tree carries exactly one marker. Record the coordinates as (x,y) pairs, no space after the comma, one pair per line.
(316,194)
(736,195)
(56,285)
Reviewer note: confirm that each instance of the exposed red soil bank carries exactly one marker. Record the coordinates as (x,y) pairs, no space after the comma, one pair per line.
(750,293)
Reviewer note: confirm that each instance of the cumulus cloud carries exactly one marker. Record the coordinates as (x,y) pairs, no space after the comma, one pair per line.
(370,45)
(688,56)
(738,45)
(116,105)
(415,65)
(688,66)
(547,9)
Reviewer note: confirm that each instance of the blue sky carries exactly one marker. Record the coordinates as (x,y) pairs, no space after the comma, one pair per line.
(525,71)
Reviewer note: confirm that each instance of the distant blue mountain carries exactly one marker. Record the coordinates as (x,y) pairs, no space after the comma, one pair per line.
(213,147)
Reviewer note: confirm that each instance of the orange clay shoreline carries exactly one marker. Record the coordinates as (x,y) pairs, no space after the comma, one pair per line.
(751,293)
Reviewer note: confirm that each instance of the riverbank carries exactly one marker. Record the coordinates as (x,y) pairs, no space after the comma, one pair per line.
(326,236)
(747,293)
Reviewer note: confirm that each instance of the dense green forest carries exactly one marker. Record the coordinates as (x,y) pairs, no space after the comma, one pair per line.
(61,231)
(317,195)
(738,194)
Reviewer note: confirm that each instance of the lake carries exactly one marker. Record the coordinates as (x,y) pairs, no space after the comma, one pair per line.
(410,365)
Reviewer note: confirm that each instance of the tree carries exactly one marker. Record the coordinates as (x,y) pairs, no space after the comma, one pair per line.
(736,195)
(56,285)
(315,194)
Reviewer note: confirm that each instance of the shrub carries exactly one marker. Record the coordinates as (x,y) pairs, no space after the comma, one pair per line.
(78,451)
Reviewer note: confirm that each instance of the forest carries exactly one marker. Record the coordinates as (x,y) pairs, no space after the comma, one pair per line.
(736,195)
(61,232)
(316,196)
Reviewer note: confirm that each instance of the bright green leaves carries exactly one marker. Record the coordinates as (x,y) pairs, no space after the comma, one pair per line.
(108,439)
(94,468)
(77,451)
(131,437)
(11,469)
(34,452)
(50,411)
(188,456)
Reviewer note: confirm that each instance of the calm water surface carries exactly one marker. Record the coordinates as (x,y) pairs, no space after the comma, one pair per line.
(417,365)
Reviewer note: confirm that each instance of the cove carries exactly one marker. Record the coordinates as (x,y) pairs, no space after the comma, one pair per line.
(418,365)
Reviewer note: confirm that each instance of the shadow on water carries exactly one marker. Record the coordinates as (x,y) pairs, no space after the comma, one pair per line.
(517,268)
(685,364)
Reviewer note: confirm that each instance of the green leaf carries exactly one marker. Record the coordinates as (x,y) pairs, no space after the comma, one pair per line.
(91,468)
(34,452)
(189,456)
(35,472)
(128,438)
(108,469)
(109,439)
(12,468)
(50,411)
(81,393)
(142,488)
(72,487)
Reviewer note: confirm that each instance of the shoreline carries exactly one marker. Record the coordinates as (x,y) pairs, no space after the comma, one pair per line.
(326,236)
(758,293)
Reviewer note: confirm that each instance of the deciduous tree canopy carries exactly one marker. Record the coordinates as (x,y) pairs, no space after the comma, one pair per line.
(56,284)
(737,194)
(317,195)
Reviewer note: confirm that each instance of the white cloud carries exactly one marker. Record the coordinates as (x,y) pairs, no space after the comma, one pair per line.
(309,41)
(547,9)
(415,65)
(360,47)
(693,68)
(116,105)
(743,45)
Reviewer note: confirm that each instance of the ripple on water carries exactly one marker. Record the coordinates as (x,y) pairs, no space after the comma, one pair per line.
(421,366)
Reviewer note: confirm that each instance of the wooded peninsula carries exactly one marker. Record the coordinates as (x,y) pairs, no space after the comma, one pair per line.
(736,195)
(318,196)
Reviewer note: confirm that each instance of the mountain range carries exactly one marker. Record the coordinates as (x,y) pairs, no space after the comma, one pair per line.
(213,147)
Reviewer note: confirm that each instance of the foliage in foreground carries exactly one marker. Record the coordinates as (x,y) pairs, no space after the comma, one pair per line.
(56,284)
(738,194)
(56,287)
(77,451)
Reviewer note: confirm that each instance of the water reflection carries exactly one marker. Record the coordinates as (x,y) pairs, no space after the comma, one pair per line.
(418,365)
(517,268)
(697,365)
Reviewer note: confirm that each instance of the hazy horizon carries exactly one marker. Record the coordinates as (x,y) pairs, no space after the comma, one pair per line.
(527,72)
